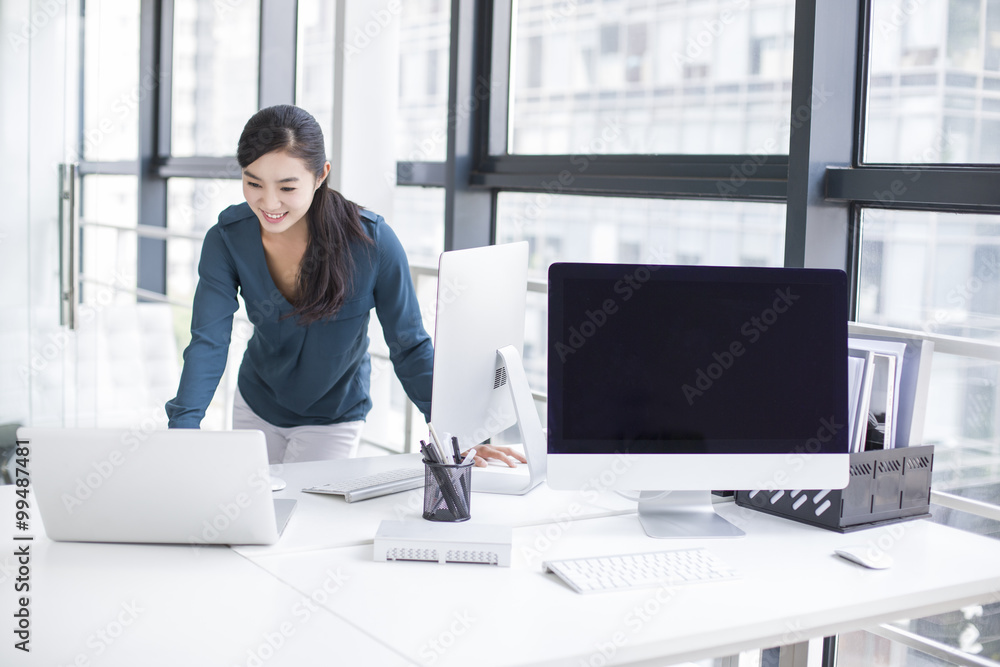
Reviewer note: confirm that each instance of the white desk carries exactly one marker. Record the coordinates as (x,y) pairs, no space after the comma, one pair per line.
(792,589)
(146,605)
(324,521)
(216,606)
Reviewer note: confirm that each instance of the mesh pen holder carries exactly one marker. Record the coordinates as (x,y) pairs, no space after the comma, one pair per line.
(447,491)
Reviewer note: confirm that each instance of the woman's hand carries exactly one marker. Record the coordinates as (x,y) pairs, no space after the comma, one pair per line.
(497,453)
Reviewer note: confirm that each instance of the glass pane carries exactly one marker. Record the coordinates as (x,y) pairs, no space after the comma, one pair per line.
(193,205)
(961,422)
(418,220)
(934,79)
(214,84)
(109,256)
(314,63)
(424,40)
(111,81)
(933,272)
(863,649)
(604,229)
(662,231)
(939,273)
(632,76)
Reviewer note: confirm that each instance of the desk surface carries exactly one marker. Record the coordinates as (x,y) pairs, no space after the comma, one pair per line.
(323,521)
(792,588)
(151,605)
(319,593)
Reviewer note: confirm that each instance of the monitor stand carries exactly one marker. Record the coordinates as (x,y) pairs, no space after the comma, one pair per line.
(682,514)
(528,425)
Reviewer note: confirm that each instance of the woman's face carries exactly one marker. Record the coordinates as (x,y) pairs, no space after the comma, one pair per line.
(279,189)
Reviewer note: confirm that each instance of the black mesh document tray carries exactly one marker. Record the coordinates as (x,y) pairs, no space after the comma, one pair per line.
(886,485)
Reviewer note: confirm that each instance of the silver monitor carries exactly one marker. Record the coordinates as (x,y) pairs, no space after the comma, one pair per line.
(479,387)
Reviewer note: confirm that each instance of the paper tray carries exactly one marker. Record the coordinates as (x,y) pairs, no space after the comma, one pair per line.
(885,486)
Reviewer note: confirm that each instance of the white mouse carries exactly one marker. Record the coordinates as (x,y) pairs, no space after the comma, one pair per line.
(277,484)
(870,557)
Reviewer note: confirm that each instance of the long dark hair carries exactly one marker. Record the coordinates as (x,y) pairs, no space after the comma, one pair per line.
(324,279)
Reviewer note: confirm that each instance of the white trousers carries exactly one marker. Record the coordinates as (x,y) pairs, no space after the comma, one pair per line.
(300,443)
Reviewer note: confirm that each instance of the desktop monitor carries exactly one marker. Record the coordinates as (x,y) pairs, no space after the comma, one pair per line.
(480,388)
(677,380)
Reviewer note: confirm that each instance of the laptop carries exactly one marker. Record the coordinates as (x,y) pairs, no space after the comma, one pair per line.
(176,486)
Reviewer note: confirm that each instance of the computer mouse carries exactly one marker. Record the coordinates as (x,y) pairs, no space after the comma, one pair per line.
(870,557)
(277,484)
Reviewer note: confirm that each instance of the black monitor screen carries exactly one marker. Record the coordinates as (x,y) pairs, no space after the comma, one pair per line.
(696,359)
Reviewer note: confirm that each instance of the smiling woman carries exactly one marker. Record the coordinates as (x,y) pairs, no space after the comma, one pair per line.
(310,266)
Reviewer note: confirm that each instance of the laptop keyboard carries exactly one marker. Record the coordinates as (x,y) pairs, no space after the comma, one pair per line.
(373,486)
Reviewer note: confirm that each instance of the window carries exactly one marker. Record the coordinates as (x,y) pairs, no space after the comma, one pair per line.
(112,83)
(421,132)
(933,85)
(927,256)
(672,78)
(314,63)
(214,81)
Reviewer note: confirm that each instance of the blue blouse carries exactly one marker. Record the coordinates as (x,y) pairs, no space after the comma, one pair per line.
(294,375)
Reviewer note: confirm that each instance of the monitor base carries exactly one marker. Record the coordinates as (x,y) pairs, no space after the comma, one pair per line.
(682,514)
(528,425)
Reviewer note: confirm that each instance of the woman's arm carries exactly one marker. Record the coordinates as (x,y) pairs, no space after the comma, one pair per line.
(211,329)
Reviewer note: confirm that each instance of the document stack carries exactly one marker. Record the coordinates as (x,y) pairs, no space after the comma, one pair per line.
(888,380)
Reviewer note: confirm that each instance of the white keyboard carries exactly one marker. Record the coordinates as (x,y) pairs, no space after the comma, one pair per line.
(610,573)
(372,486)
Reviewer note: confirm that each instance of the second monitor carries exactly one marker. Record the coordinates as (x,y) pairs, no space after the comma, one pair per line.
(480,388)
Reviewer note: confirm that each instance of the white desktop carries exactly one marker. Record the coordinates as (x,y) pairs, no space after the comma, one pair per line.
(679,380)
(480,388)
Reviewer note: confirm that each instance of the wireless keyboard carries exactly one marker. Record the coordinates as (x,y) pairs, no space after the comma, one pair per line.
(372,486)
(610,573)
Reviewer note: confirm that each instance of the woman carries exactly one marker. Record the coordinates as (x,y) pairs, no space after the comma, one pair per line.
(310,265)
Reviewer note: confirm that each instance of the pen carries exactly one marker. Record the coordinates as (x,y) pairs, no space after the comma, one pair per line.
(436,442)
(454,447)
(470,455)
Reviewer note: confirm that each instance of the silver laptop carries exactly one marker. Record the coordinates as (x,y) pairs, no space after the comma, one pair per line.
(177,486)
